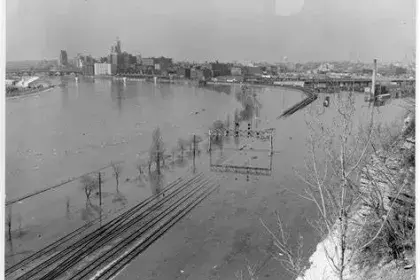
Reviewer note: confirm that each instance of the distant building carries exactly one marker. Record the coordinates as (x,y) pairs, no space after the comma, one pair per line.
(113,58)
(253,71)
(88,70)
(88,60)
(197,74)
(367,71)
(400,71)
(79,61)
(162,63)
(236,71)
(184,72)
(105,69)
(63,58)
(200,74)
(220,69)
(126,61)
(118,46)
(325,67)
(138,59)
(10,82)
(148,61)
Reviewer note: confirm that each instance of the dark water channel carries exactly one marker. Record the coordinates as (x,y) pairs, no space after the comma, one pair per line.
(83,126)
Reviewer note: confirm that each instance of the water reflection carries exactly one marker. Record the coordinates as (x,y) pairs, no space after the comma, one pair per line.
(117,95)
(77,92)
(167,91)
(226,89)
(250,104)
(90,211)
(120,198)
(65,97)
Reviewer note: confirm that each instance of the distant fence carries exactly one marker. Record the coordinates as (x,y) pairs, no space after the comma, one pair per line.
(262,134)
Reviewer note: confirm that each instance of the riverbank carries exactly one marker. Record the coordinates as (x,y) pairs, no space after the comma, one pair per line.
(28,93)
(388,176)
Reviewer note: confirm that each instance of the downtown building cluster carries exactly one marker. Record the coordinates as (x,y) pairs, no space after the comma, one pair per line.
(119,62)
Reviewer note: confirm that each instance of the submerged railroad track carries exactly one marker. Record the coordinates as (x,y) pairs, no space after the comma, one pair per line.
(101,252)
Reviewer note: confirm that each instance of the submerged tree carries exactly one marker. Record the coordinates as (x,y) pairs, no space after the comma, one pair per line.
(139,168)
(116,173)
(157,150)
(89,185)
(182,146)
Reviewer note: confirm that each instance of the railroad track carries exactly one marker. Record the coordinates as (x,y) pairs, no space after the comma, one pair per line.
(109,248)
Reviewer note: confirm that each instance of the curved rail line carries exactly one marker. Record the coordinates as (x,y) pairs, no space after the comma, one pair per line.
(311,97)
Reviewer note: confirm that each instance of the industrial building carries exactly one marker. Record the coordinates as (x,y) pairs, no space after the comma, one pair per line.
(105,69)
(220,69)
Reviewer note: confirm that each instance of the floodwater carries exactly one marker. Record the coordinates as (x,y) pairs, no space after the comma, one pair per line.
(83,126)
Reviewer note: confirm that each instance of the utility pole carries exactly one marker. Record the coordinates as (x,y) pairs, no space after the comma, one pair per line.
(194,153)
(100,198)
(100,189)
(210,141)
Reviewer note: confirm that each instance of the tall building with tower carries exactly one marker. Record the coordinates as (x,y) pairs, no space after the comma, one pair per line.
(115,57)
(118,46)
(63,58)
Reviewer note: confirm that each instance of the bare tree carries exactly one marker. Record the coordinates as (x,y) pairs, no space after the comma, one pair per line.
(116,172)
(89,184)
(173,152)
(336,153)
(290,256)
(139,168)
(157,150)
(182,144)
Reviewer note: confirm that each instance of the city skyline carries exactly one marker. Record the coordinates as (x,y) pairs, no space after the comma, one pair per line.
(239,30)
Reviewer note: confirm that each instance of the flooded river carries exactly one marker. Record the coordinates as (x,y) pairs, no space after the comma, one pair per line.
(84,126)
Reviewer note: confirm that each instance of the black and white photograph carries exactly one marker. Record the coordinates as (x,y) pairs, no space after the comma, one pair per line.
(208,139)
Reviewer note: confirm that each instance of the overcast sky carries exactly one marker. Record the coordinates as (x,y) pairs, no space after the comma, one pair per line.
(302,30)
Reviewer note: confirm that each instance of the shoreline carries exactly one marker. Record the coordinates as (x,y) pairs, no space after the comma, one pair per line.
(29,94)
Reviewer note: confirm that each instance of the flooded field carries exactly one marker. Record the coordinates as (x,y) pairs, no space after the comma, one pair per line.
(83,126)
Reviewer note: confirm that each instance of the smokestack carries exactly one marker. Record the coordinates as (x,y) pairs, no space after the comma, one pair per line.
(372,92)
